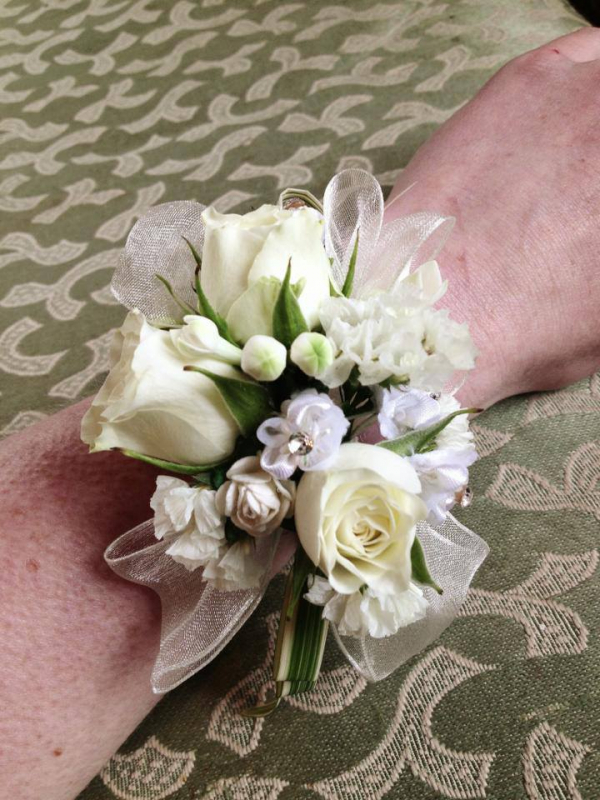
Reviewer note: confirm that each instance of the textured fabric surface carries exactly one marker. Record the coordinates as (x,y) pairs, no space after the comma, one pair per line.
(111,106)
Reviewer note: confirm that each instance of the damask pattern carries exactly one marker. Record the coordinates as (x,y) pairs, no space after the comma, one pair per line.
(108,107)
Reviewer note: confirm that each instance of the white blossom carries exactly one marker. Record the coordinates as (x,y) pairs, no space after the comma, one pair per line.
(403,409)
(307,435)
(457,434)
(187,517)
(396,335)
(238,568)
(368,612)
(200,337)
(444,472)
(255,501)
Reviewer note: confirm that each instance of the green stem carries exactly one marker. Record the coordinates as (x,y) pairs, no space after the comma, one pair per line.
(300,640)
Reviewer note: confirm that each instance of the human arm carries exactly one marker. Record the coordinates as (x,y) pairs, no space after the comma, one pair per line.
(79,643)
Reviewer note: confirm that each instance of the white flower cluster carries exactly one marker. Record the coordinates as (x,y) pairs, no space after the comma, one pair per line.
(444,471)
(368,612)
(192,520)
(238,397)
(397,335)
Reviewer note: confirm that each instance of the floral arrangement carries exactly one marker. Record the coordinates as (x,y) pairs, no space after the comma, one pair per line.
(263,356)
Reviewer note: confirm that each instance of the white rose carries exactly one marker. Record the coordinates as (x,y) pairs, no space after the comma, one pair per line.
(150,405)
(356,520)
(256,502)
(242,254)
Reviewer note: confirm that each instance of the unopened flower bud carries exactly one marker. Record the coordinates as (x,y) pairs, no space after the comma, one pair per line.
(263,358)
(313,353)
(200,337)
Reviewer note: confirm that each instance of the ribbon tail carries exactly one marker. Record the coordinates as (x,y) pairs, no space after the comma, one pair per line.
(353,202)
(198,621)
(453,554)
(156,246)
(403,245)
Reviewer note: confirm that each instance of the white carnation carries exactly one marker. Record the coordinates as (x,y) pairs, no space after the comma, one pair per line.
(194,549)
(368,612)
(173,506)
(238,568)
(397,335)
(188,518)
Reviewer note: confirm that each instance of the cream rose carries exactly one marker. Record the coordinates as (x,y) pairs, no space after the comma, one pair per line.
(244,257)
(356,520)
(150,405)
(256,502)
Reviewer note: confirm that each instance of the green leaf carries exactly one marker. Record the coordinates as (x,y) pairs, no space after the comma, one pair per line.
(233,534)
(303,567)
(298,287)
(263,710)
(171,466)
(204,306)
(300,642)
(203,480)
(185,307)
(303,642)
(333,292)
(349,282)
(420,572)
(247,401)
(419,441)
(218,476)
(304,195)
(288,319)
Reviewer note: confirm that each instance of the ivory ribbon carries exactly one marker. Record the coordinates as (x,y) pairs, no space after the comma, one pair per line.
(197,620)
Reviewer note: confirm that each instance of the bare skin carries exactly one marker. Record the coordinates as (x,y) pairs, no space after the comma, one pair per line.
(517,167)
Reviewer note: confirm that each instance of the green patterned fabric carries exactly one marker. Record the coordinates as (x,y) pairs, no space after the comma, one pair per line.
(111,106)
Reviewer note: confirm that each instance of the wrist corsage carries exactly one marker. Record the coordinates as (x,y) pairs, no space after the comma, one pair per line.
(263,356)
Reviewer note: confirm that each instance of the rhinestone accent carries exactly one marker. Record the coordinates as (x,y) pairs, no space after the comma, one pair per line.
(466,497)
(300,444)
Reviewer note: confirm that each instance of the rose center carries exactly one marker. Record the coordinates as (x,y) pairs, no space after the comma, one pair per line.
(365,533)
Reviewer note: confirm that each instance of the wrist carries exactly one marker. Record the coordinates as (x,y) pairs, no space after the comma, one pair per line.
(474,297)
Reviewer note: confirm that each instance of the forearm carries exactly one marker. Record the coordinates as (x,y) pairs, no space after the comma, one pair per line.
(78,642)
